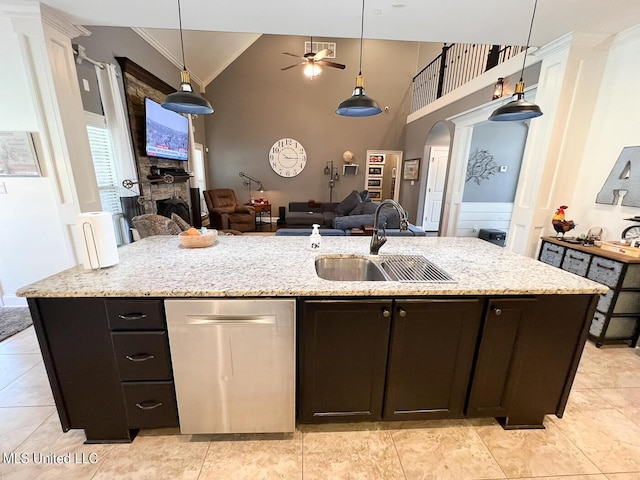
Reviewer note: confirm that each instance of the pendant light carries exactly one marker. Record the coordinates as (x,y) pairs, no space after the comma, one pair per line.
(519,109)
(185,100)
(359,105)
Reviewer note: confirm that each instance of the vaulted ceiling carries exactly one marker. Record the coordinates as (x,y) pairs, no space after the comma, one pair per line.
(503,22)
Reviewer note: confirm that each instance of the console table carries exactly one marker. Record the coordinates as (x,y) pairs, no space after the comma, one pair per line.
(617,316)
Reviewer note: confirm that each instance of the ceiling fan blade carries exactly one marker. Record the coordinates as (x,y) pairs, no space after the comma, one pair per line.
(294,65)
(327,63)
(322,53)
(291,54)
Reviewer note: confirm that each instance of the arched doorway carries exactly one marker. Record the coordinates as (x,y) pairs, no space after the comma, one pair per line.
(436,153)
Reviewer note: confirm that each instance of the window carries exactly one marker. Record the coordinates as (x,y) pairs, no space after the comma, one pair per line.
(104,166)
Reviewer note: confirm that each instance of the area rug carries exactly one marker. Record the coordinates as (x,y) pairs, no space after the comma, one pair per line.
(13,320)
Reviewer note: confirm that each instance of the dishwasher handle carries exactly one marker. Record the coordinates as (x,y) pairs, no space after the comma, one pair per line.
(221,319)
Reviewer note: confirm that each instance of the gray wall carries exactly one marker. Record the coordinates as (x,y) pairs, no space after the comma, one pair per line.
(505,142)
(106,43)
(256,104)
(417,131)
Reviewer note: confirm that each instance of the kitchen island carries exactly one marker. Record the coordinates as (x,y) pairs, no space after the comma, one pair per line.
(503,340)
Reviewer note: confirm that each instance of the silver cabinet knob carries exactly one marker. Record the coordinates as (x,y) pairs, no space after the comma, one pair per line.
(497,311)
(386,313)
(402,312)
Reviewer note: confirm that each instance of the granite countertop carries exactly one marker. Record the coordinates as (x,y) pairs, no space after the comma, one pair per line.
(263,266)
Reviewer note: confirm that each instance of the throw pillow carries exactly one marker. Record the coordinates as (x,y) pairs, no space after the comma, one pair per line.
(364,195)
(365,208)
(349,203)
(180,221)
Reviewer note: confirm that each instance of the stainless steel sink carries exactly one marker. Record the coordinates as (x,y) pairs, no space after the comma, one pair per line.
(400,268)
(348,269)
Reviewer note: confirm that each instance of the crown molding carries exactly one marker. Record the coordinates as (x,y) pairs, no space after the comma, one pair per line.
(151,40)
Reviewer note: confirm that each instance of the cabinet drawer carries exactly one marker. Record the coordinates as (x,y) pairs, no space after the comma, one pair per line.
(142,355)
(150,404)
(135,314)
(627,302)
(576,262)
(605,271)
(551,254)
(619,327)
(605,300)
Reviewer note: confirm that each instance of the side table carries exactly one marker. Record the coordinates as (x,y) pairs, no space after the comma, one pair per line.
(262,208)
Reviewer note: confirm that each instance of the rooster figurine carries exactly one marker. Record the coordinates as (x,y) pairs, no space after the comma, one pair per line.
(560,225)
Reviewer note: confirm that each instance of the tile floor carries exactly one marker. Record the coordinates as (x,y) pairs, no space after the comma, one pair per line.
(598,438)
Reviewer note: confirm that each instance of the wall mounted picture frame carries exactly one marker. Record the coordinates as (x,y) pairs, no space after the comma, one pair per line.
(375,171)
(379,159)
(17,155)
(375,194)
(350,169)
(411,169)
(374,182)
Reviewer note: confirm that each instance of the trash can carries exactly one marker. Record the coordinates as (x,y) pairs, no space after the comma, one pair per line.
(493,236)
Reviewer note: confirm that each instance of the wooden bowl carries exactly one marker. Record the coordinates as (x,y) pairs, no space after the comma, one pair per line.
(198,241)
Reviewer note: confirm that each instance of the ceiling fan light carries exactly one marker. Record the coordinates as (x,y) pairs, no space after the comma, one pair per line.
(312,70)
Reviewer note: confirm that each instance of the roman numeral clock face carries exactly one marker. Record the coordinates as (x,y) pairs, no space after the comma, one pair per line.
(287,157)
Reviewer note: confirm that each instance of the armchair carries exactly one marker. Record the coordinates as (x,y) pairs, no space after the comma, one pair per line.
(225,212)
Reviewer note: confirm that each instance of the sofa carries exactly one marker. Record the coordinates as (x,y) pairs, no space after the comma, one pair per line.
(355,211)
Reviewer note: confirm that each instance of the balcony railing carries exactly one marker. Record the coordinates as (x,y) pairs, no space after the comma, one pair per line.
(456,65)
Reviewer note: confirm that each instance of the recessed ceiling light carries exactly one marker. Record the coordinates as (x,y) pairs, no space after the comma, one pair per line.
(377,11)
(398,5)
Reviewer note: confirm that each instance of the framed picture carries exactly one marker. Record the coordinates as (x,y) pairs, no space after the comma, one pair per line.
(350,169)
(374,182)
(375,194)
(411,169)
(376,159)
(17,155)
(375,171)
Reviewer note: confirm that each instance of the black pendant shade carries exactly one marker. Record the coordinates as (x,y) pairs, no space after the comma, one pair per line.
(186,100)
(519,108)
(358,105)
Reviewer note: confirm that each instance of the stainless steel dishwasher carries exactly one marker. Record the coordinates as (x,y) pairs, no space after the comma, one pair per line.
(233,364)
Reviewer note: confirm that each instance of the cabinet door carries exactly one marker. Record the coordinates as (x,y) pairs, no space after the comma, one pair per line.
(497,357)
(431,353)
(528,357)
(342,360)
(82,370)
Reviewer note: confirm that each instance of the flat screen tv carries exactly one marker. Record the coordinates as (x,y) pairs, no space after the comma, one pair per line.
(167,132)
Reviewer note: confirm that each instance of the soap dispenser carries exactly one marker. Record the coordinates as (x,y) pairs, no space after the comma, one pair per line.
(314,238)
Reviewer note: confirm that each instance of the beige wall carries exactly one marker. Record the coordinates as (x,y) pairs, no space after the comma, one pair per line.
(256,104)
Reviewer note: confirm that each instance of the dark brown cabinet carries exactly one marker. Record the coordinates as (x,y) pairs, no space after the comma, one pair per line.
(430,357)
(528,356)
(399,359)
(108,364)
(342,358)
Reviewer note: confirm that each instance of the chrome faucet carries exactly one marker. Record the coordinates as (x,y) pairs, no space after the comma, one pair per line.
(378,240)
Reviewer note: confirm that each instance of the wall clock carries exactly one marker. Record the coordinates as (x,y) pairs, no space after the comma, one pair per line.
(287,157)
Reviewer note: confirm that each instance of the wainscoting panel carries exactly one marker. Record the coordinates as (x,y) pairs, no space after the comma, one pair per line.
(483,215)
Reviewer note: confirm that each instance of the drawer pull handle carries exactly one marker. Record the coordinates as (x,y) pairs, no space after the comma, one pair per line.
(148,405)
(605,267)
(552,250)
(139,357)
(576,258)
(132,316)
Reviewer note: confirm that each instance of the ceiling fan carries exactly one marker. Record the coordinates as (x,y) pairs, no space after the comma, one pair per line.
(313,61)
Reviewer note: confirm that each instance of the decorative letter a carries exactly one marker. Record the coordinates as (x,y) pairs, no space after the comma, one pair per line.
(624,176)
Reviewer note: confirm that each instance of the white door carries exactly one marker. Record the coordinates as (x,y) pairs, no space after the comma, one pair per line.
(438,159)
